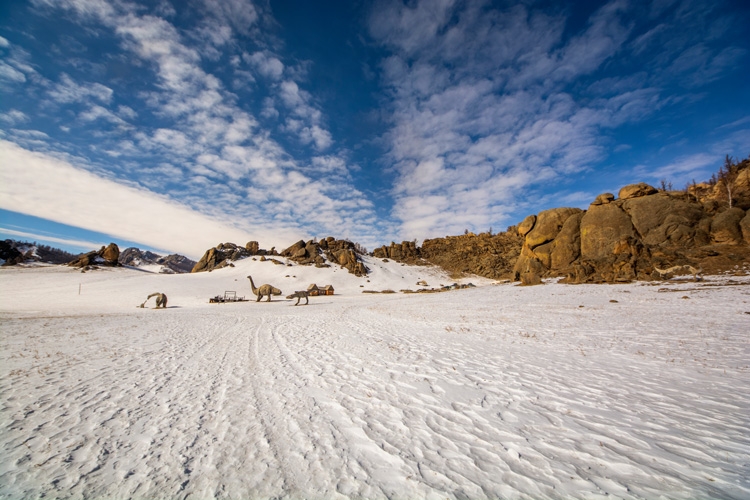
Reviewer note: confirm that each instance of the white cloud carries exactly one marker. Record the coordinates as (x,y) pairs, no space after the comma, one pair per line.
(14,117)
(53,189)
(265,64)
(11,74)
(68,91)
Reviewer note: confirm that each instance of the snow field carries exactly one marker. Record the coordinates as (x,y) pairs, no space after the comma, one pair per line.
(494,392)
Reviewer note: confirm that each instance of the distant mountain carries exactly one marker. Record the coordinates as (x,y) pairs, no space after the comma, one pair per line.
(14,252)
(173,263)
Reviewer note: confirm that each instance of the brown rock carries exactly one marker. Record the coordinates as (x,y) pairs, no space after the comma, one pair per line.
(566,247)
(526,225)
(603,199)
(602,227)
(745,228)
(252,247)
(548,225)
(725,227)
(636,191)
(664,218)
(111,254)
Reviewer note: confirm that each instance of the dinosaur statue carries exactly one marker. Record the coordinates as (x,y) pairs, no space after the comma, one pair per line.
(263,290)
(299,294)
(161,300)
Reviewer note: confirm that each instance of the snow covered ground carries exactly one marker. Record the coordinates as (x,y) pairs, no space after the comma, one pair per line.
(500,391)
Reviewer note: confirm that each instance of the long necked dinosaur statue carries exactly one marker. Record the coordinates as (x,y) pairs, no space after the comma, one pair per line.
(263,290)
(161,300)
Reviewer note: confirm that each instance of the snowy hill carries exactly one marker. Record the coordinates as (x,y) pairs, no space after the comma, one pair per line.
(636,390)
(155,263)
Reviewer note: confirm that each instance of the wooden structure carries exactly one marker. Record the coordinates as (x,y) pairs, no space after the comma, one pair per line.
(314,290)
(229,296)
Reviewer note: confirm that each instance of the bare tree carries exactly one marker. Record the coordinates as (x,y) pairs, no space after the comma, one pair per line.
(728,174)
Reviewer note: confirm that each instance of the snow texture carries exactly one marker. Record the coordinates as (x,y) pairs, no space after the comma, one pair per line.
(500,391)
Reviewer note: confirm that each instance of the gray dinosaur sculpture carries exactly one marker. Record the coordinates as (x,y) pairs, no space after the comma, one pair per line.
(263,290)
(299,294)
(161,300)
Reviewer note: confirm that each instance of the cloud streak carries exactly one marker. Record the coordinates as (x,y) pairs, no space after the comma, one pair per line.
(53,189)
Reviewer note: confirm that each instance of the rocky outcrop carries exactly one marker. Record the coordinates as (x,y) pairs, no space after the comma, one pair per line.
(320,253)
(725,227)
(485,254)
(636,191)
(625,238)
(224,254)
(106,256)
(406,252)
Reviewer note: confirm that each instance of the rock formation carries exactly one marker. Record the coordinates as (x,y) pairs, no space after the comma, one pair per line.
(224,254)
(106,256)
(341,252)
(616,239)
(627,238)
(406,252)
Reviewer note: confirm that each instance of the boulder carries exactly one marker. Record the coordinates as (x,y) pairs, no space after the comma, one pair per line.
(602,227)
(532,274)
(636,191)
(745,227)
(548,225)
(252,247)
(603,199)
(566,247)
(725,227)
(105,256)
(664,218)
(526,225)
(220,256)
(111,254)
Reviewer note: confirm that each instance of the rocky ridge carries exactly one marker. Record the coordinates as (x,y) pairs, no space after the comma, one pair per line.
(173,263)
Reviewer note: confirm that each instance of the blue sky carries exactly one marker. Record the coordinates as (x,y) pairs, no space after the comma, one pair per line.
(174,126)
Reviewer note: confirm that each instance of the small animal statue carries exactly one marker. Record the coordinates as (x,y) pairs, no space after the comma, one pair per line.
(299,294)
(263,290)
(161,300)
